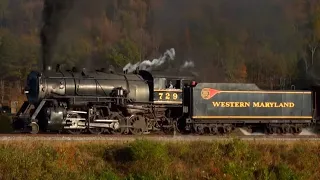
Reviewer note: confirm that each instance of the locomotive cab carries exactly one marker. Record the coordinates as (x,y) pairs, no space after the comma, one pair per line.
(166,88)
(169,89)
(166,83)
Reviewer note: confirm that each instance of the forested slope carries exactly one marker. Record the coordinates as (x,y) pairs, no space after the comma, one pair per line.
(238,41)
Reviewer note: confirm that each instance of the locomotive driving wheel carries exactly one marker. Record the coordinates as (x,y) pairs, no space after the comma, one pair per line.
(167,125)
(121,122)
(138,123)
(97,130)
(75,131)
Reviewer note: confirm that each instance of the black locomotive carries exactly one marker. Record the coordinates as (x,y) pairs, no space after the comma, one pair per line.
(141,102)
(101,101)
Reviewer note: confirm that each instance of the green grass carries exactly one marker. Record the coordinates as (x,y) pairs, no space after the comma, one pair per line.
(154,160)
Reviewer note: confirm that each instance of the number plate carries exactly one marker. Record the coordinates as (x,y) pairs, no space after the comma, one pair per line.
(168,96)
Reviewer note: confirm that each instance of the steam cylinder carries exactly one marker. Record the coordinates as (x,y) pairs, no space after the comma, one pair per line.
(60,84)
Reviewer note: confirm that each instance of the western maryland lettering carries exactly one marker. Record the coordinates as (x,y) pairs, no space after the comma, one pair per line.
(254,104)
(231,104)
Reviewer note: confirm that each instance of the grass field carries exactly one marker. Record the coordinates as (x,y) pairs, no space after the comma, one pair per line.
(143,159)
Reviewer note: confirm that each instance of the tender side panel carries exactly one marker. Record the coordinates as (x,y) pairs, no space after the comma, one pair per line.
(210,103)
(167,96)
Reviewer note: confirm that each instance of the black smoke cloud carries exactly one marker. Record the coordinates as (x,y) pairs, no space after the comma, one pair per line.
(62,22)
(195,29)
(54,11)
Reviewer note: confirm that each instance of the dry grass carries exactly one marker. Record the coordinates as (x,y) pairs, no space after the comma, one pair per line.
(155,160)
(141,159)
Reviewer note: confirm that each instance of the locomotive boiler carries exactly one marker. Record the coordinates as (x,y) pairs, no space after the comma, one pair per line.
(61,85)
(75,100)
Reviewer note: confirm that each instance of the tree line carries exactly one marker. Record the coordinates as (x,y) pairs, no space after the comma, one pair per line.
(264,42)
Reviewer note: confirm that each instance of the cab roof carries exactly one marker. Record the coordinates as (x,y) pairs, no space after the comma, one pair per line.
(174,74)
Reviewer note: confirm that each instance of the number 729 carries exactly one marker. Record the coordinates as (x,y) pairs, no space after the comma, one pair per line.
(168,96)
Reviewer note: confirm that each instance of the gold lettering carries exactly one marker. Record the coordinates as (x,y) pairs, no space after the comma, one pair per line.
(215,104)
(167,96)
(254,104)
(223,104)
(160,95)
(175,96)
(232,104)
(272,104)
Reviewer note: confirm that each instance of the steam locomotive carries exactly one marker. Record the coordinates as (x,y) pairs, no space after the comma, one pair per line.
(141,102)
(101,101)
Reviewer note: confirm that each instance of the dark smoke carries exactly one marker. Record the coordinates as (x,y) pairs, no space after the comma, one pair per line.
(198,30)
(52,17)
(63,24)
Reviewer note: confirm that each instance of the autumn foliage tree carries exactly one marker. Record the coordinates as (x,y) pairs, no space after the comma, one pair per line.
(242,41)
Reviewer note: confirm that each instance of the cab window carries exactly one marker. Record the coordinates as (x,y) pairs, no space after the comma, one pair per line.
(173,84)
(159,83)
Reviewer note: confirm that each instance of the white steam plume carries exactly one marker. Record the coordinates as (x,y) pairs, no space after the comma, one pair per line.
(148,65)
(187,64)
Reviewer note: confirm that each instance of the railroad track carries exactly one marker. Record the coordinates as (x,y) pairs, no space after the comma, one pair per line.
(240,133)
(126,138)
